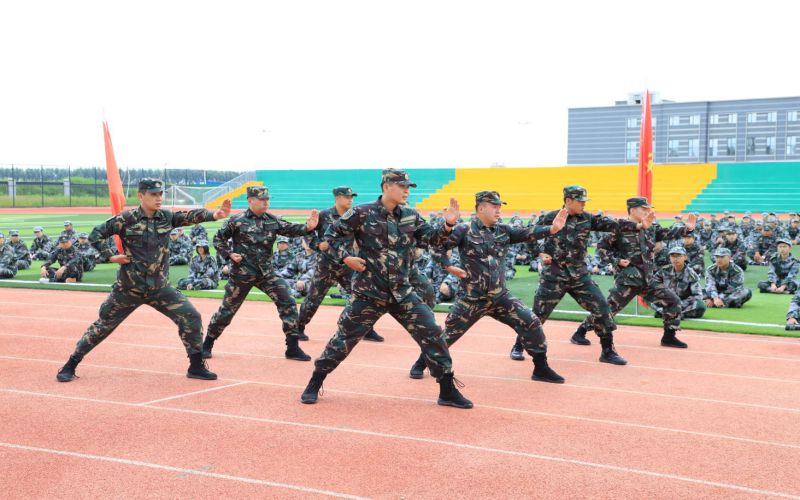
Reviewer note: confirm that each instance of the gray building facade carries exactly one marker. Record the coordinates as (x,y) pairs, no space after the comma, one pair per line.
(750,130)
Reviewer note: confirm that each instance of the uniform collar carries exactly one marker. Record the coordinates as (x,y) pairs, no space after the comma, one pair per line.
(396,212)
(249,213)
(139,214)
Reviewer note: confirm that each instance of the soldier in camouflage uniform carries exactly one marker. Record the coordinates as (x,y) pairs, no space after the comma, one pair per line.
(725,282)
(783,269)
(747,226)
(283,256)
(636,261)
(70,260)
(483,246)
(203,271)
(143,276)
(764,246)
(69,232)
(695,253)
(247,239)
(729,238)
(20,250)
(8,260)
(387,232)
(87,251)
(42,245)
(564,268)
(178,256)
(198,233)
(300,272)
(681,279)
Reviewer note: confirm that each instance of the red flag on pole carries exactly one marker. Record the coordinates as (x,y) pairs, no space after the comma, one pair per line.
(645,185)
(115,192)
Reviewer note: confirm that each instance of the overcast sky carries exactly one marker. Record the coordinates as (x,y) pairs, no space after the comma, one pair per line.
(352,84)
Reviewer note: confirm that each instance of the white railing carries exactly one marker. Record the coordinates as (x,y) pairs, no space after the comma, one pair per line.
(229,186)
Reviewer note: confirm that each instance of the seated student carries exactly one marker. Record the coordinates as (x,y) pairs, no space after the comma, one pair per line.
(695,253)
(178,254)
(203,271)
(87,251)
(70,260)
(8,259)
(725,282)
(783,269)
(793,315)
(681,279)
(20,250)
(763,246)
(198,233)
(793,231)
(42,245)
(730,239)
(283,256)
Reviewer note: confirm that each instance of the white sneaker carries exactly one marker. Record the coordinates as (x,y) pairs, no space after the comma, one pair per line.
(44,280)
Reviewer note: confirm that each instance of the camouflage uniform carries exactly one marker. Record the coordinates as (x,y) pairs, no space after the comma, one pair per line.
(69,233)
(738,248)
(696,257)
(178,254)
(685,284)
(203,271)
(41,247)
(88,253)
(781,272)
(68,258)
(111,250)
(8,260)
(198,233)
(727,284)
(282,259)
(420,281)
(21,251)
(794,307)
(765,244)
(253,237)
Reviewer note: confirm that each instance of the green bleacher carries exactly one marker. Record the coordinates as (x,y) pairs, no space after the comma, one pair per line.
(773,186)
(303,189)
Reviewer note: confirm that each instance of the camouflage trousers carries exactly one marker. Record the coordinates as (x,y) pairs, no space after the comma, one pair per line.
(197,283)
(692,308)
(41,255)
(360,315)
(506,309)
(734,299)
(324,277)
(553,287)
(71,272)
(236,291)
(7,273)
(23,264)
(178,260)
(89,264)
(122,302)
(763,286)
(423,287)
(663,298)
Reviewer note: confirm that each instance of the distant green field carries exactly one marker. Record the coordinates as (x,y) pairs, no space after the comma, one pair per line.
(763,308)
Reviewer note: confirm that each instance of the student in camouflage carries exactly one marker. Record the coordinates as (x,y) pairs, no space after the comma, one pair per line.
(178,254)
(764,245)
(87,251)
(8,260)
(725,282)
(203,271)
(283,256)
(783,269)
(198,233)
(69,259)
(42,245)
(387,232)
(483,247)
(69,231)
(20,250)
(247,239)
(729,238)
(695,253)
(681,279)
(143,276)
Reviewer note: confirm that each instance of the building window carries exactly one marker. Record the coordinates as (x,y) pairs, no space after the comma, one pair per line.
(791,116)
(791,145)
(752,117)
(632,150)
(732,118)
(751,145)
(772,116)
(713,148)
(653,122)
(714,119)
(769,147)
(694,120)
(694,147)
(674,121)
(633,123)
(730,149)
(674,147)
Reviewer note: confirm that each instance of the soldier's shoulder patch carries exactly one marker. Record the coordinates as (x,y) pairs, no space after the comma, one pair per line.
(408,219)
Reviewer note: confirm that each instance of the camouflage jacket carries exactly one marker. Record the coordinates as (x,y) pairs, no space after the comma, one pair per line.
(145,240)
(8,259)
(20,250)
(281,260)
(686,284)
(71,233)
(793,233)
(483,252)
(204,268)
(44,244)
(695,255)
(794,307)
(637,246)
(253,238)
(737,248)
(87,251)
(728,281)
(387,241)
(198,233)
(765,245)
(68,257)
(568,246)
(327,218)
(783,270)
(177,247)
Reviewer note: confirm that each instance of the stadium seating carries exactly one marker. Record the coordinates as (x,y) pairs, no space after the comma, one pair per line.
(773,186)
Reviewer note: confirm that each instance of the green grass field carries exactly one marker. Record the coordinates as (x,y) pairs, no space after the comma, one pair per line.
(763,309)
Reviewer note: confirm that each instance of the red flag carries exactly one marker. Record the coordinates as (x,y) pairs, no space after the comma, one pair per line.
(645,185)
(115,192)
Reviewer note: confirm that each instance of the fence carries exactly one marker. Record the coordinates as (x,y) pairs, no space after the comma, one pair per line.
(48,186)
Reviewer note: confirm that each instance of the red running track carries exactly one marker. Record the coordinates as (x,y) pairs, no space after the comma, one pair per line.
(718,419)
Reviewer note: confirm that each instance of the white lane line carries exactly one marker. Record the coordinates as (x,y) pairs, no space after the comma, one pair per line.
(169,468)
(456,444)
(178,396)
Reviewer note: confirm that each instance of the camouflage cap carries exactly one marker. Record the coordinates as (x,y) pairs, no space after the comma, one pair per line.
(794,220)
(748,212)
(63,238)
(344,191)
(725,228)
(67,223)
(679,216)
(395,176)
(260,192)
(577,193)
(722,252)
(690,234)
(201,243)
(38,229)
(174,232)
(2,235)
(638,201)
(283,239)
(787,241)
(769,226)
(83,235)
(151,185)
(13,232)
(677,249)
(492,197)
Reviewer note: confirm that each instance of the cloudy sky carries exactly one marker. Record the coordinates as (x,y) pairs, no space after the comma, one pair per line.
(352,84)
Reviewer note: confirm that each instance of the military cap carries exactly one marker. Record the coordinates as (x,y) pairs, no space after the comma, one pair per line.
(690,234)
(432,214)
(67,223)
(13,232)
(677,249)
(396,176)
(577,193)
(759,222)
(283,239)
(726,212)
(769,226)
(783,240)
(794,220)
(599,212)
(83,235)
(725,228)
(696,214)
(638,201)
(174,232)
(746,216)
(260,192)
(63,238)
(201,243)
(492,197)
(679,216)
(2,235)
(764,215)
(151,185)
(722,252)
(37,229)
(344,191)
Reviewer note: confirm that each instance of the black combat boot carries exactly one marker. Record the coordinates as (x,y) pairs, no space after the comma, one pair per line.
(670,340)
(208,344)
(609,355)
(517,352)
(313,388)
(449,394)
(579,337)
(293,350)
(373,336)
(302,334)
(542,371)
(198,368)
(67,372)
(418,370)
